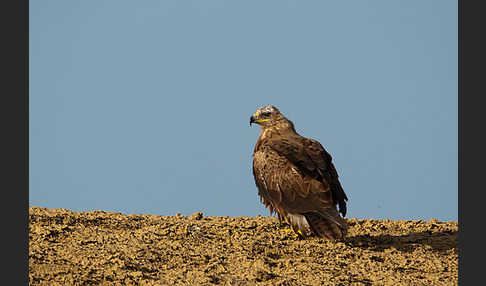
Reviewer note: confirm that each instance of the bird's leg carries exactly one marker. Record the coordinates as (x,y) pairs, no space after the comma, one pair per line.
(299,233)
(296,231)
(283,226)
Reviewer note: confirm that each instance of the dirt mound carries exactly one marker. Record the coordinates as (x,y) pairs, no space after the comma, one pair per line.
(97,247)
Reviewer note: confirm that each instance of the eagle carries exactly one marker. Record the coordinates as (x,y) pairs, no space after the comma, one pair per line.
(296,178)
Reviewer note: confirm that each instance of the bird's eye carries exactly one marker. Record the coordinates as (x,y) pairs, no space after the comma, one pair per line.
(266,114)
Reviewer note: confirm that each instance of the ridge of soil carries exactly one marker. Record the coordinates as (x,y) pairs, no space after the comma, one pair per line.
(108,248)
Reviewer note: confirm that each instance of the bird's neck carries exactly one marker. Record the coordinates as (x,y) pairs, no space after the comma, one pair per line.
(283,127)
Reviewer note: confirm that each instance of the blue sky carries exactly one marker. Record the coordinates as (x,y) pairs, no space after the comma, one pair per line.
(143,106)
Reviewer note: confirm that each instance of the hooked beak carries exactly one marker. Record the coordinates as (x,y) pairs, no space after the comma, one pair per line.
(252,119)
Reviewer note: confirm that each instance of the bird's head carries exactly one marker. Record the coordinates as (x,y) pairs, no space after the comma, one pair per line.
(267,116)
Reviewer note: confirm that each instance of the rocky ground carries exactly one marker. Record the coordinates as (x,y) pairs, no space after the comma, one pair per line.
(106,248)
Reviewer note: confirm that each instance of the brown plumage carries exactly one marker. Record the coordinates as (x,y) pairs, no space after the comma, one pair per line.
(296,178)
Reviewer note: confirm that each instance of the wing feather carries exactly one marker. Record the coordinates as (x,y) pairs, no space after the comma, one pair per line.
(311,159)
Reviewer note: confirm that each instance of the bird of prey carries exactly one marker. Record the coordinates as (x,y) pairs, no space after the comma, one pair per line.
(296,178)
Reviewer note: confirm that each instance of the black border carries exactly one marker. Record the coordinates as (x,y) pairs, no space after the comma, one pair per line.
(471,131)
(14,21)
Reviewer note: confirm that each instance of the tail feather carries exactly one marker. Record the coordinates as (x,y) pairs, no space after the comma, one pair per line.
(326,225)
